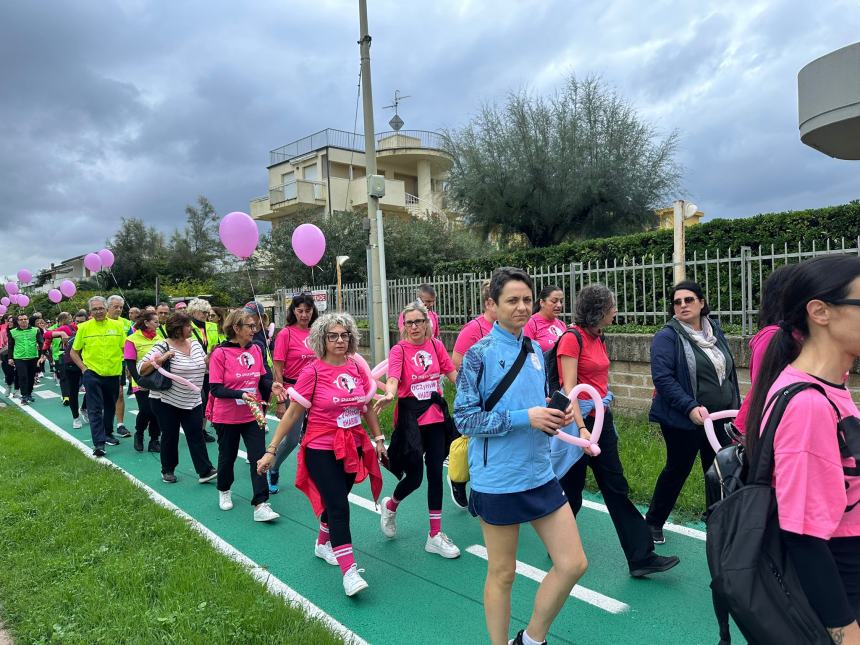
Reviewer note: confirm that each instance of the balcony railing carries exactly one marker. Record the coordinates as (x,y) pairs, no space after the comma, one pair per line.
(354,141)
(304,189)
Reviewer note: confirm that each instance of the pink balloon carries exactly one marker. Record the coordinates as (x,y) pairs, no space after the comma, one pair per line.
(598,420)
(11,288)
(2,309)
(5,301)
(107,258)
(93,262)
(380,370)
(709,426)
(68,288)
(308,244)
(55,296)
(23,300)
(24,276)
(239,234)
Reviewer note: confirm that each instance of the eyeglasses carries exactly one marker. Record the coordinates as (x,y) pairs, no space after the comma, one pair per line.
(688,300)
(847,301)
(414,323)
(251,325)
(333,337)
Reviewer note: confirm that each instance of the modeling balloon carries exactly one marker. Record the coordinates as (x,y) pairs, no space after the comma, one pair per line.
(93,262)
(68,288)
(106,257)
(308,244)
(24,276)
(5,301)
(11,288)
(239,234)
(598,420)
(23,300)
(55,296)
(709,426)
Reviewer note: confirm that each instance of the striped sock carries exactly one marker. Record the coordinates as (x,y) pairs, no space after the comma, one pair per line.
(392,504)
(435,522)
(344,556)
(323,536)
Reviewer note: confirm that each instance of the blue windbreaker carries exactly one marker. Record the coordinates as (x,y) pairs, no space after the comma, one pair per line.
(506,455)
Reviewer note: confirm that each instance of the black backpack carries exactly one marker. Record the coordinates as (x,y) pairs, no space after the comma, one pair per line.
(751,576)
(550,359)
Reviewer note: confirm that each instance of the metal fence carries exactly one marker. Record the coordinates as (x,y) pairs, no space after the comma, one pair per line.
(731,282)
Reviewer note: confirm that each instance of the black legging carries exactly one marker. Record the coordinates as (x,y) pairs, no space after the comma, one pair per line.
(228,448)
(433,439)
(334,485)
(145,416)
(73,387)
(682,445)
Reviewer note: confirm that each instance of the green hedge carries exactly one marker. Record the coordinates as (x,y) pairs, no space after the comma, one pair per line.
(818,224)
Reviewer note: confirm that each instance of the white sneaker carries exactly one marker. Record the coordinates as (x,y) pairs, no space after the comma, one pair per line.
(325,552)
(352,581)
(442,545)
(77,424)
(225,501)
(388,520)
(264,513)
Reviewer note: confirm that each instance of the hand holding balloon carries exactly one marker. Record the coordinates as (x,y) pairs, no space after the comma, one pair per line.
(589,444)
(708,422)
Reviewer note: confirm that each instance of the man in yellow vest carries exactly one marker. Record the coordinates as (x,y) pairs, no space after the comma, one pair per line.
(115,305)
(25,353)
(97,351)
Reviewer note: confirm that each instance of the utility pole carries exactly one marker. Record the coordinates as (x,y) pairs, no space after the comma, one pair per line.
(683,210)
(379,291)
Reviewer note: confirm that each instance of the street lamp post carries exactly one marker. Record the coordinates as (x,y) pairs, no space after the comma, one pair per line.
(339,263)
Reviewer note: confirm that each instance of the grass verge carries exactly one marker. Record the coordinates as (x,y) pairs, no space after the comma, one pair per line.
(87,557)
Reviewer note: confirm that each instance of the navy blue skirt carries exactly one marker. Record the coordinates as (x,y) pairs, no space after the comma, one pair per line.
(502,509)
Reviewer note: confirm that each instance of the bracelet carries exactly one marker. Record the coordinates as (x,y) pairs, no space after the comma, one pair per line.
(271,451)
(379,438)
(582,428)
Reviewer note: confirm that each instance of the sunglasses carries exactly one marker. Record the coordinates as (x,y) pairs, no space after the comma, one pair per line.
(847,301)
(333,337)
(688,300)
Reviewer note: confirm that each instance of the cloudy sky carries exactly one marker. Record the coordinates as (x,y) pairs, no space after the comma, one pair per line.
(132,108)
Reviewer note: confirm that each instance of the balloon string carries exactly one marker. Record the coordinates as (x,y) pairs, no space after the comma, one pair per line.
(119,288)
(251,282)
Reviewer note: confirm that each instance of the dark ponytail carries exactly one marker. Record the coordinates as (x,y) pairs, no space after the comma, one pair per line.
(826,278)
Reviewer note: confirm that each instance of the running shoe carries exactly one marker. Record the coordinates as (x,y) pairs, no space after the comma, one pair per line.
(352,581)
(25,400)
(225,500)
(208,437)
(168,478)
(325,552)
(264,513)
(519,639)
(65,401)
(77,424)
(138,441)
(442,545)
(458,494)
(388,520)
(273,477)
(15,394)
(154,446)
(208,477)
(99,452)
(654,564)
(122,431)
(111,440)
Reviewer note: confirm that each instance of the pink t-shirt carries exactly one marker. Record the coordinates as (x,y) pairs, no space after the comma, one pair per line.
(291,347)
(544,332)
(237,368)
(337,394)
(472,332)
(418,369)
(434,319)
(812,491)
(758,346)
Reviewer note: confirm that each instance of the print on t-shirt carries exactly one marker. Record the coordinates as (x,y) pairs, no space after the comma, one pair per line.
(423,360)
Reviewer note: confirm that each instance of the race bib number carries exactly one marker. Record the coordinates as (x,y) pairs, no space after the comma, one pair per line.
(423,390)
(349,418)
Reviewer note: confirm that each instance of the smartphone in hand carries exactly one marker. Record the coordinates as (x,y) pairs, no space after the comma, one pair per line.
(559,401)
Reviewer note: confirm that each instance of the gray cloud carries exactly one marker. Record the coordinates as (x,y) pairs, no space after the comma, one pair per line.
(132,109)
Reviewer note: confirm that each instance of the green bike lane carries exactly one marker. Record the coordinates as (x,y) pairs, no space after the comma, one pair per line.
(417,597)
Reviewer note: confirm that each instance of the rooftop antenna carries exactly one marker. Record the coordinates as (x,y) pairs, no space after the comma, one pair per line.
(396,122)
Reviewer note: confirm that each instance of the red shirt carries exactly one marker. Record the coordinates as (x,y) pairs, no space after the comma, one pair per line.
(291,348)
(418,369)
(472,332)
(544,332)
(592,362)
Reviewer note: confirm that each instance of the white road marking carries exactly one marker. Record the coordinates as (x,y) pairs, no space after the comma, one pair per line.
(47,394)
(262,575)
(579,592)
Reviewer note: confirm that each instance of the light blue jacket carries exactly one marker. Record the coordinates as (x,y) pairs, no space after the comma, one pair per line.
(506,455)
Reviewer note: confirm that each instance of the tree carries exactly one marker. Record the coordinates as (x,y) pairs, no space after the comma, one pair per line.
(140,254)
(194,251)
(580,164)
